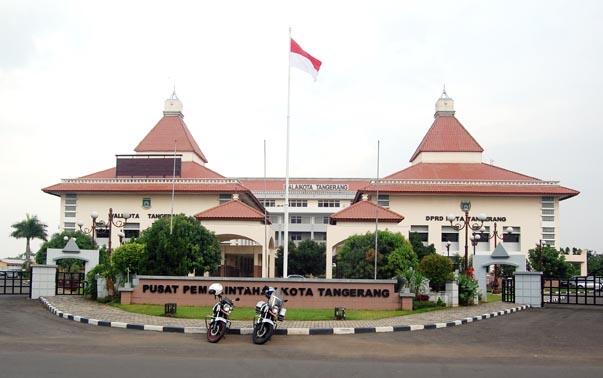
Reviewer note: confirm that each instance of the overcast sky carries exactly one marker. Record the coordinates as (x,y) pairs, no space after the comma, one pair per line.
(82,81)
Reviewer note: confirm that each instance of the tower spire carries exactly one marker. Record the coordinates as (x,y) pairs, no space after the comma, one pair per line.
(444,105)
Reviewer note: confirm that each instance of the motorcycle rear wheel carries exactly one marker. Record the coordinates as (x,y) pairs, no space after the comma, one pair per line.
(215,331)
(262,332)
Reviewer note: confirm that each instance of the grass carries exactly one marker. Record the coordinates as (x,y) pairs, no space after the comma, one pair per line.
(494,297)
(248,313)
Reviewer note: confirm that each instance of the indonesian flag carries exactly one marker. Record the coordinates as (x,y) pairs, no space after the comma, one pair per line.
(300,59)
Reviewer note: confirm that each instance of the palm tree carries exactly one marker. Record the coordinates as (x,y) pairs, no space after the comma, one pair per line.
(29,228)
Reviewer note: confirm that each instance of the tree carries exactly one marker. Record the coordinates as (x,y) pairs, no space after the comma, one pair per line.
(356,258)
(595,264)
(59,240)
(130,256)
(417,245)
(308,258)
(438,269)
(278,259)
(189,247)
(29,228)
(550,262)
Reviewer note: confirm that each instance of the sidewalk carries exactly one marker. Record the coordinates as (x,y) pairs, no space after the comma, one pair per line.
(79,309)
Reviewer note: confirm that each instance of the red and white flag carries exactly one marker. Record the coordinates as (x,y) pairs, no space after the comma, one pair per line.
(300,59)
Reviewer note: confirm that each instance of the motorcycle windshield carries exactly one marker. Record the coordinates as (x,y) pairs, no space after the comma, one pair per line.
(276,299)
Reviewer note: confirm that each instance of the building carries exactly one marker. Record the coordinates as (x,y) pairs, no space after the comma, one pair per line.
(138,191)
(446,168)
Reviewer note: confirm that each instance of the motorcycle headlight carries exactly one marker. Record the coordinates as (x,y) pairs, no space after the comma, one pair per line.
(274,310)
(227,308)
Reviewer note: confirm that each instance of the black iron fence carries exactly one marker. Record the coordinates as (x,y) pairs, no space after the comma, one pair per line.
(15,282)
(508,289)
(584,290)
(70,283)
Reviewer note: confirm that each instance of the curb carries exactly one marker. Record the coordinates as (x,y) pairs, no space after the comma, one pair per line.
(282,331)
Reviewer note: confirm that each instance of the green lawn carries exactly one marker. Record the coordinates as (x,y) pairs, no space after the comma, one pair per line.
(494,297)
(247,313)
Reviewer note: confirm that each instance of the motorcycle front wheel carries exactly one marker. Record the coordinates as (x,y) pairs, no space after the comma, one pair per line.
(262,332)
(215,331)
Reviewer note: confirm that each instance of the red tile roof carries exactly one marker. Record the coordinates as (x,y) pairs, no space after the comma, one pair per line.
(457,171)
(161,138)
(146,186)
(278,184)
(493,188)
(190,169)
(231,210)
(365,211)
(446,134)
(465,178)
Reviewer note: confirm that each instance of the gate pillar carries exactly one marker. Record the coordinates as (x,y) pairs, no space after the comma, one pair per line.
(528,288)
(43,281)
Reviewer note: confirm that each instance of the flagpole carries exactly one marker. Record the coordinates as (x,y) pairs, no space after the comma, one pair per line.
(173,190)
(286,236)
(377,213)
(265,252)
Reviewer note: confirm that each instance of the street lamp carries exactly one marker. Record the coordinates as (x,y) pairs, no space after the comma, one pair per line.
(96,224)
(495,235)
(467,225)
(475,237)
(448,243)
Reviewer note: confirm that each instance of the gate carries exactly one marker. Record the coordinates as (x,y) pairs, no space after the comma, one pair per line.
(15,282)
(508,289)
(70,283)
(585,290)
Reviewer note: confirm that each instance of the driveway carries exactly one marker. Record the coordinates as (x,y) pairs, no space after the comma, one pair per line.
(557,341)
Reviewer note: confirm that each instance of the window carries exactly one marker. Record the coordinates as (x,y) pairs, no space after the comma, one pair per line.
(548,219)
(268,203)
(320,236)
(548,205)
(295,219)
(70,208)
(131,230)
(295,236)
(298,203)
(69,226)
(548,236)
(512,237)
(102,232)
(548,199)
(548,229)
(324,220)
(383,200)
(69,214)
(449,234)
(548,212)
(224,197)
(422,232)
(328,203)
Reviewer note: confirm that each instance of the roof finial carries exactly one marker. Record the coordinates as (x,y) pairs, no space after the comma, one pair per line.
(444,94)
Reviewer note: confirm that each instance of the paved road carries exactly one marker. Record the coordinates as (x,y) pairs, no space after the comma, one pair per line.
(556,342)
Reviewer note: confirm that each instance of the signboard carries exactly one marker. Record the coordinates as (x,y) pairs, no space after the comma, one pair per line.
(319,187)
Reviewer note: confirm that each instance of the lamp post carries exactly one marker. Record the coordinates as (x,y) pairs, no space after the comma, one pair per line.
(475,237)
(111,221)
(496,238)
(448,243)
(465,223)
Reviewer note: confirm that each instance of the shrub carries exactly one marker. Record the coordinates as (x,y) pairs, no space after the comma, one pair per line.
(467,289)
(438,269)
(130,255)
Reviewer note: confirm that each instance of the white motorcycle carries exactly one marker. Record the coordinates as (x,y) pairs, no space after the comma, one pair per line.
(268,314)
(218,322)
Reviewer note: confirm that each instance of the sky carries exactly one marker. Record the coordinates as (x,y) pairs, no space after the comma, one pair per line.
(83,81)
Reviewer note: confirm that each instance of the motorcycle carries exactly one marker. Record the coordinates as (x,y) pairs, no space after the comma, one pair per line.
(268,314)
(218,320)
